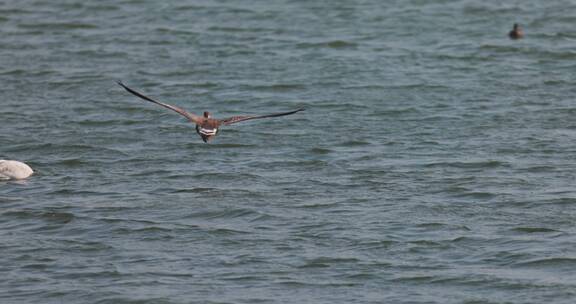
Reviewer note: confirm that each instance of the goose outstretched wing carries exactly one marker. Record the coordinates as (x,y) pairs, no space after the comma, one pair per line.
(235,119)
(194,118)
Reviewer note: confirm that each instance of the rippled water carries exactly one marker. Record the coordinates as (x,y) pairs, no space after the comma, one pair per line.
(435,162)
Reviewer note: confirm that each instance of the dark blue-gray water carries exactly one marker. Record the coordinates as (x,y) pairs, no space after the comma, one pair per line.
(435,161)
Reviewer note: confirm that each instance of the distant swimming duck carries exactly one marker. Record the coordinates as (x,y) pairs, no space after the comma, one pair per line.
(11,169)
(206,126)
(516,32)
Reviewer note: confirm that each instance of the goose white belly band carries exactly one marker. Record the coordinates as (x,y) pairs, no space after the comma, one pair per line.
(207,131)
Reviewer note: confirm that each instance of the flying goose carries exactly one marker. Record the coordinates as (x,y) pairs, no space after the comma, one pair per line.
(206,126)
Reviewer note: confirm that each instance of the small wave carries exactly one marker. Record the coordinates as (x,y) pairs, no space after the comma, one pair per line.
(442,226)
(395,112)
(364,87)
(6,199)
(565,55)
(320,151)
(317,206)
(107,122)
(226,231)
(422,86)
(339,107)
(110,220)
(59,26)
(563,201)
(103,7)
(488,164)
(236,29)
(466,240)
(73,192)
(354,143)
(149,229)
(557,82)
(500,48)
(539,169)
(92,54)
(190,7)
(177,71)
(152,172)
(173,31)
(376,246)
(54,148)
(73,162)
(16,11)
(235,145)
(335,44)
(191,190)
(244,279)
(416,278)
(87,274)
(476,195)
(534,230)
(488,10)
(323,262)
(224,176)
(568,263)
(82,245)
(28,73)
(54,217)
(226,214)
(278,87)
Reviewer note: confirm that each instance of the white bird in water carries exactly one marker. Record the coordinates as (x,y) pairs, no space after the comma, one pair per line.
(12,169)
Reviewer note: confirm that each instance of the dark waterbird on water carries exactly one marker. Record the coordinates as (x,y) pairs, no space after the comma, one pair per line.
(206,126)
(516,32)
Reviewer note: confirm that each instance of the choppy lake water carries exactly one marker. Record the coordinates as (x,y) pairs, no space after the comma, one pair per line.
(435,162)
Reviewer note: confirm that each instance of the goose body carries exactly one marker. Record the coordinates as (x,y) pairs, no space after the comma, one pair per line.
(206,126)
(11,169)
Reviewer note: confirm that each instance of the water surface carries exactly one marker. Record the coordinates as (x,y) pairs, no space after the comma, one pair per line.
(435,162)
